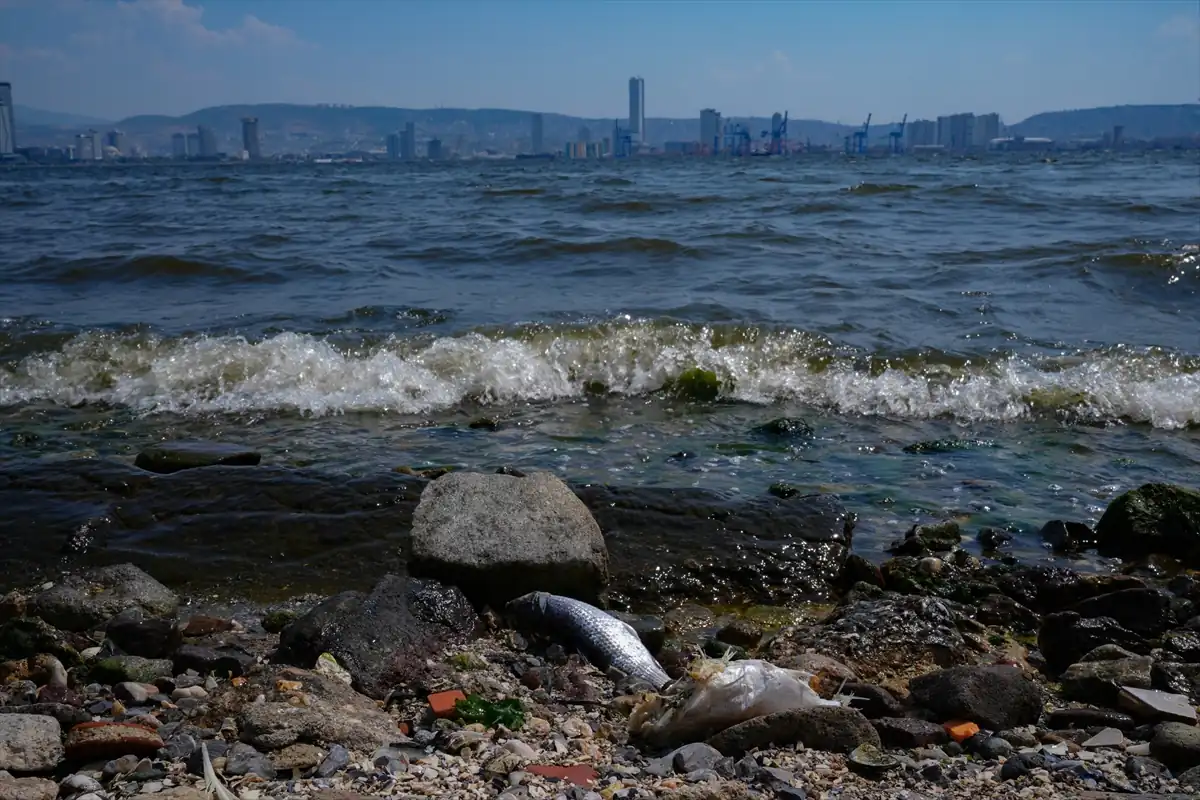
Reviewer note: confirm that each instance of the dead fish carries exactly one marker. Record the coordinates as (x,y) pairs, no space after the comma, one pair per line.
(605,641)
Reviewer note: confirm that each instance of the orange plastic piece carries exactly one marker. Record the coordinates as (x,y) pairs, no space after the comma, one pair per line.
(960,730)
(442,703)
(578,774)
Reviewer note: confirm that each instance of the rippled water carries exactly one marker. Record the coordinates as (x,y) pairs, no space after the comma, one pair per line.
(358,317)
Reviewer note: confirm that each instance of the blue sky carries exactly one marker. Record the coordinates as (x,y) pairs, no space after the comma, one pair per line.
(827,60)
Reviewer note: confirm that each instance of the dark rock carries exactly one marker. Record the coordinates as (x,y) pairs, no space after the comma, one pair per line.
(1021,764)
(336,760)
(890,635)
(499,537)
(217,748)
(993,747)
(832,728)
(740,633)
(909,733)
(1141,767)
(242,759)
(28,636)
(650,629)
(1099,682)
(873,701)
(673,545)
(380,636)
(180,747)
(694,756)
(785,428)
(995,697)
(1177,745)
(138,635)
(1190,778)
(993,538)
(87,600)
(1067,537)
(1183,644)
(227,661)
(1089,718)
(1051,589)
(1146,612)
(171,457)
(858,569)
(1002,611)
(1065,637)
(1154,518)
(1019,737)
(1177,678)
(925,539)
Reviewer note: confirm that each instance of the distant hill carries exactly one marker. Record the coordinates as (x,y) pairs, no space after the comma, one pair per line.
(1141,122)
(292,128)
(31,117)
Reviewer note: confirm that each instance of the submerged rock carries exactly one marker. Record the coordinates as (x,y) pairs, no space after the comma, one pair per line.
(86,600)
(171,457)
(1154,518)
(892,635)
(668,546)
(498,537)
(377,637)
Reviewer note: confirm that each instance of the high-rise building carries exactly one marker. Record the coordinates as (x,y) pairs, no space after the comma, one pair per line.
(539,144)
(710,130)
(393,146)
(250,140)
(956,132)
(8,121)
(193,144)
(408,146)
(637,109)
(116,140)
(987,127)
(97,144)
(433,150)
(179,145)
(208,141)
(920,133)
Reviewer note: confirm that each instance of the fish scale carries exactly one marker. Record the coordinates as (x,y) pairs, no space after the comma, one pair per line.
(604,640)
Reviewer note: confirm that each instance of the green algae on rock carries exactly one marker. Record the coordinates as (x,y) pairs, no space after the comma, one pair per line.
(1154,518)
(696,385)
(169,457)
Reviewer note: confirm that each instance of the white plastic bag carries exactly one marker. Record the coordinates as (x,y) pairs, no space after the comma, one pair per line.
(718,694)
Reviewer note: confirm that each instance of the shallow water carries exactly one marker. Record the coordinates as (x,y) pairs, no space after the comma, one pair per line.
(354,318)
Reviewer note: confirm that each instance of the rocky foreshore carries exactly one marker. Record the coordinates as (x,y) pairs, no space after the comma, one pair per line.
(956,677)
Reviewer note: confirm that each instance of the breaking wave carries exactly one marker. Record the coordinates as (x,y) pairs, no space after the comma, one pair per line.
(311,375)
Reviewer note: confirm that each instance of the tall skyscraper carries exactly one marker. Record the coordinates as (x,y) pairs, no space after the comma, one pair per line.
(179,145)
(116,140)
(97,145)
(208,141)
(538,133)
(393,146)
(408,147)
(710,130)
(637,109)
(250,141)
(8,122)
(433,149)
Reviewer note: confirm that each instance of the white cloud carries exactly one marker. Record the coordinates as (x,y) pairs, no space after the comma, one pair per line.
(1181,26)
(186,20)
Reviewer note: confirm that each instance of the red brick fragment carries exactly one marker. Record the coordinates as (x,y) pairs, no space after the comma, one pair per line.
(442,703)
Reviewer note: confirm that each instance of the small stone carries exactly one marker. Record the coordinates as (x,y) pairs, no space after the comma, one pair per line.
(1108,737)
(909,733)
(993,747)
(335,760)
(27,788)
(517,747)
(1089,718)
(694,756)
(29,742)
(297,756)
(869,759)
(81,783)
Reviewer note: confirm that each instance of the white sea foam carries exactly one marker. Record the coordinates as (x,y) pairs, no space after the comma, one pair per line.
(302,373)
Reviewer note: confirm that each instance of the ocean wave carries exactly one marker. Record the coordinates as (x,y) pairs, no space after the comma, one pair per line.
(293,372)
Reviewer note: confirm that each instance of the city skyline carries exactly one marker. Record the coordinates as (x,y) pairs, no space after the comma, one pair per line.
(835,62)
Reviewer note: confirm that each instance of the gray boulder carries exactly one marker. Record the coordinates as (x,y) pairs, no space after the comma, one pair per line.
(1177,745)
(30,743)
(498,537)
(995,697)
(86,600)
(378,636)
(833,728)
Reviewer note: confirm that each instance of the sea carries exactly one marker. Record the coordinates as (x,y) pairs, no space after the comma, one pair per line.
(999,340)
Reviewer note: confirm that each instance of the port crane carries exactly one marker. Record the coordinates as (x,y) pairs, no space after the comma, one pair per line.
(898,136)
(860,137)
(778,134)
